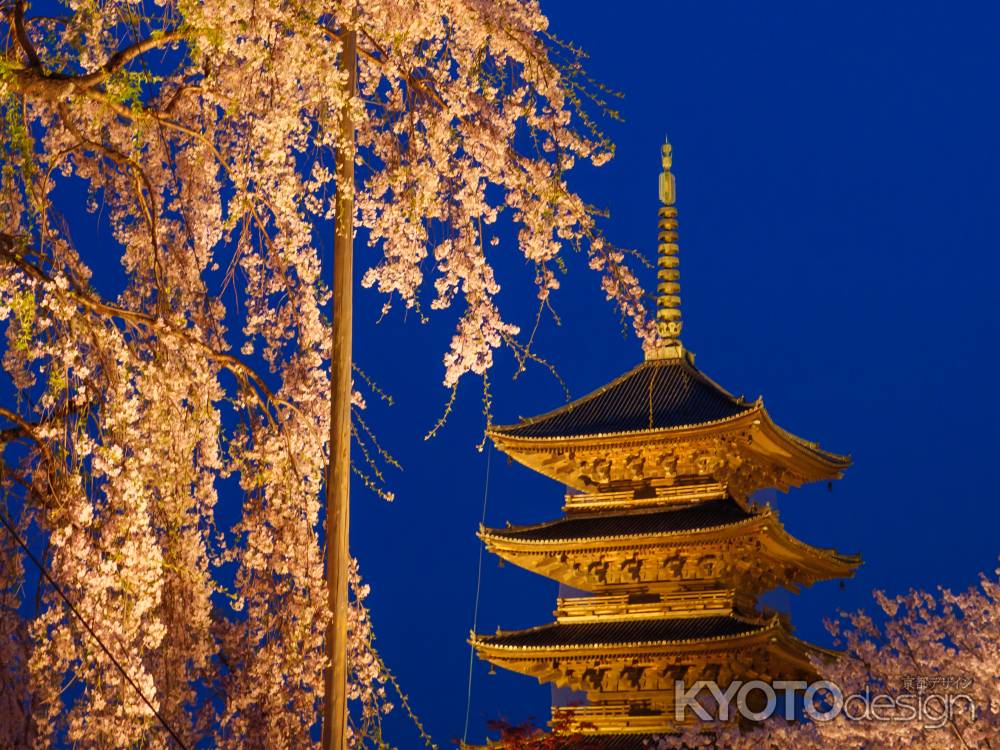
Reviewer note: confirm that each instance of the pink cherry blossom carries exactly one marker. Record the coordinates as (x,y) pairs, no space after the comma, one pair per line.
(202,139)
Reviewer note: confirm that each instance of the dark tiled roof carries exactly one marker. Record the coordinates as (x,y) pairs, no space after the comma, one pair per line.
(610,742)
(628,631)
(703,515)
(658,394)
(588,742)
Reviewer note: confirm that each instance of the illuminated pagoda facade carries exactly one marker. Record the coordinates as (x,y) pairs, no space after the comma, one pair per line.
(659,531)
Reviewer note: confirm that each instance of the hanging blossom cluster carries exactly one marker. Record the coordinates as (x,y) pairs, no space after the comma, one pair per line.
(478,119)
(201,137)
(368,677)
(928,644)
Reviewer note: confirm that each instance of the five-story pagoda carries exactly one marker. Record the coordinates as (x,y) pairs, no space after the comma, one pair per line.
(660,532)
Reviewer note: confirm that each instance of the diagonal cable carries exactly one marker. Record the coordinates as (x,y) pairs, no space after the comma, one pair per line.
(76,613)
(475,609)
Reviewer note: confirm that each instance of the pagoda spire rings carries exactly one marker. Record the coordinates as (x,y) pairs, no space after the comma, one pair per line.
(668,301)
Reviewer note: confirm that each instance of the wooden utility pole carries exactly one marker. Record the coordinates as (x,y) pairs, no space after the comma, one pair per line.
(338,477)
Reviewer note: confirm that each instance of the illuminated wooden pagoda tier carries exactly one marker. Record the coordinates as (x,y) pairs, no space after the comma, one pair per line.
(659,530)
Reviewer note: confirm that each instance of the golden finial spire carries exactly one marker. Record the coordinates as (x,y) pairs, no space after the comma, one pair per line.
(668,301)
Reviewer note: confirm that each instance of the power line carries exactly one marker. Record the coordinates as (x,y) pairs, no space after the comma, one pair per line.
(475,609)
(58,589)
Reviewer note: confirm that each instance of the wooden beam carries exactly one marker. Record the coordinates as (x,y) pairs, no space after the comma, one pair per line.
(338,478)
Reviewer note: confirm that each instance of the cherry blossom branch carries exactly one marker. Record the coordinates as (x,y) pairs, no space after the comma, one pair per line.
(28,430)
(146,206)
(36,76)
(122,58)
(244,372)
(131,114)
(21,34)
(23,428)
(83,621)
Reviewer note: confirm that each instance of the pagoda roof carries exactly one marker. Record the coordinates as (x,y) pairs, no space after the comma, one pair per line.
(655,395)
(698,516)
(660,631)
(661,420)
(561,652)
(585,741)
(642,741)
(555,548)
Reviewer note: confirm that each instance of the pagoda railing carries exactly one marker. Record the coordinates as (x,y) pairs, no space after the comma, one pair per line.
(611,718)
(645,606)
(681,492)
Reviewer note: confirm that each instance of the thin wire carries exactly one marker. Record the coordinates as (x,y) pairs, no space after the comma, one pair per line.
(479,584)
(58,589)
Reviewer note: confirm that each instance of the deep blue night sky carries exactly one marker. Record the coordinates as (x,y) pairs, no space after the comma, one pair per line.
(837,172)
